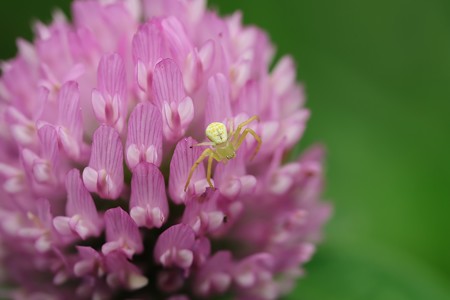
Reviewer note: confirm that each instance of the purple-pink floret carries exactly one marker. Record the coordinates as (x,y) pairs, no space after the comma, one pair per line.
(98,117)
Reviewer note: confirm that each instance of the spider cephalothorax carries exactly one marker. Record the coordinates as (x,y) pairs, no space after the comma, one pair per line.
(223,145)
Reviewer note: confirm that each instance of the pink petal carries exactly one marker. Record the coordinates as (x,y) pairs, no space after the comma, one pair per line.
(202,250)
(186,10)
(170,98)
(122,233)
(70,145)
(142,76)
(148,48)
(99,106)
(283,75)
(123,273)
(239,74)
(170,280)
(44,169)
(294,126)
(174,246)
(148,192)
(69,108)
(61,225)
(75,72)
(69,115)
(147,45)
(196,64)
(214,276)
(14,178)
(249,101)
(110,23)
(90,262)
(183,159)
(232,180)
(40,226)
(202,213)
(218,106)
(110,100)
(168,83)
(80,202)
(206,54)
(83,45)
(186,111)
(144,140)
(178,42)
(90,178)
(49,143)
(27,51)
(106,162)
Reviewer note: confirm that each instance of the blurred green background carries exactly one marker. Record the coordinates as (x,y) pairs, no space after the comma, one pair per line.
(377,76)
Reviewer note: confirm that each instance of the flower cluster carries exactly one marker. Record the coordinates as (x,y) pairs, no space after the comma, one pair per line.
(98,117)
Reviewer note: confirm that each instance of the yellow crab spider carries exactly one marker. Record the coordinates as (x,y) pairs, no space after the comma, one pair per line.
(223,145)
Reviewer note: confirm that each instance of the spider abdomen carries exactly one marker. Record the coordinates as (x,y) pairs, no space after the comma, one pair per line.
(217,133)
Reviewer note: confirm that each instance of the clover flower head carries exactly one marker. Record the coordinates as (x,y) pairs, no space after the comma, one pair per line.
(99,118)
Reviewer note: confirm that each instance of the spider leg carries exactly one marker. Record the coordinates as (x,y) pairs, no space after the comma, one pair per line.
(237,133)
(203,144)
(208,170)
(205,154)
(230,127)
(242,139)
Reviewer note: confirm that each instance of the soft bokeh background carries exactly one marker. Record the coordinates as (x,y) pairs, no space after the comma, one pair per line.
(377,76)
